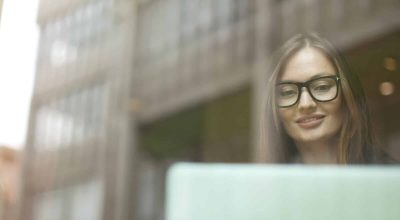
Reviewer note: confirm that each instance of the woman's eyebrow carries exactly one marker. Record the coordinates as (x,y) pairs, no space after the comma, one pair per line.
(321,75)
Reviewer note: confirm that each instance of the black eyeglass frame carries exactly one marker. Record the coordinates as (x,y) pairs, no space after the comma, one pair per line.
(306,84)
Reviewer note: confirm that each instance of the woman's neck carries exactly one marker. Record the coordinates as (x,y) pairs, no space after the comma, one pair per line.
(322,152)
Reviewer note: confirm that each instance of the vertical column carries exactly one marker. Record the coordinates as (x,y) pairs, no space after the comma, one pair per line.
(122,120)
(263,27)
(24,209)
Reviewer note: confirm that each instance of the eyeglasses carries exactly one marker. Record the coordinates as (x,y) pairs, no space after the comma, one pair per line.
(321,89)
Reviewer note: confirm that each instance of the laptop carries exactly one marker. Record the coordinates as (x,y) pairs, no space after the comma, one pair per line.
(260,192)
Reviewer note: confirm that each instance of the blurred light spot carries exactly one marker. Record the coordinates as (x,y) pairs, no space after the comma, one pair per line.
(386,88)
(390,63)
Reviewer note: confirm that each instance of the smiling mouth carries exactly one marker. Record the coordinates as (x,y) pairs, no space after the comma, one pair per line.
(310,122)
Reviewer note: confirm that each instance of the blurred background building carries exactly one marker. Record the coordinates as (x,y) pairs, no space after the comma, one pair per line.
(125,88)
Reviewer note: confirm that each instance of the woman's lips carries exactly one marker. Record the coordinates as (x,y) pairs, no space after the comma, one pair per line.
(310,122)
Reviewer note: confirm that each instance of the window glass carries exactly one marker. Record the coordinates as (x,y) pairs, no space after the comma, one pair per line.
(71,120)
(49,206)
(78,202)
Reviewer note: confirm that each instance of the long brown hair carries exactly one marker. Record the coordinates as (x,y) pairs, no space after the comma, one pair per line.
(356,140)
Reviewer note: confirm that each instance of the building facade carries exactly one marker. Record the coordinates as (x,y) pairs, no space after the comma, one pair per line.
(79,126)
(125,88)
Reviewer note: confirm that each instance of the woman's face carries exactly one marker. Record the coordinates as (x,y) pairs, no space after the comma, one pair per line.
(309,120)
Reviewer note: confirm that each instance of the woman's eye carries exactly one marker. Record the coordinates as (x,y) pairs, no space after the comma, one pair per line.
(322,88)
(287,93)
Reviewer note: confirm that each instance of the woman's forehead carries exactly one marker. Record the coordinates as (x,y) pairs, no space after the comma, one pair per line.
(305,64)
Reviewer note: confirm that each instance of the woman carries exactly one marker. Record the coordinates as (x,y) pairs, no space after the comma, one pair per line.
(316,110)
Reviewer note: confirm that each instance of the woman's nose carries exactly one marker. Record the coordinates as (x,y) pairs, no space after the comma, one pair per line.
(306,101)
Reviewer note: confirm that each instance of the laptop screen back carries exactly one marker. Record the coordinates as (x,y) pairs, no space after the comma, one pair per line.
(259,192)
